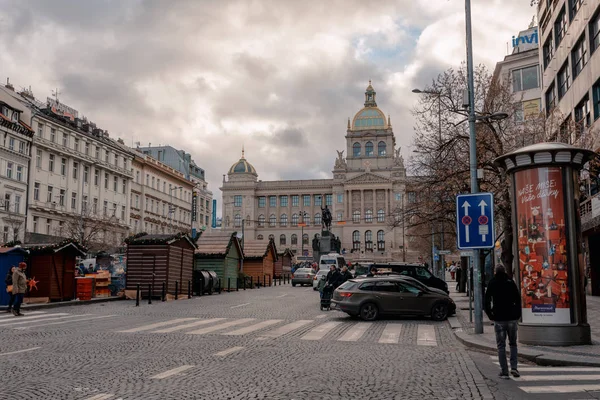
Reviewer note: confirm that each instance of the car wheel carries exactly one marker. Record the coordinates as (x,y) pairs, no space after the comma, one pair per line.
(293,284)
(369,312)
(439,312)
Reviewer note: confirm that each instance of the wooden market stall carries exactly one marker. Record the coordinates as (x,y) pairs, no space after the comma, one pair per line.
(283,264)
(259,258)
(221,253)
(154,259)
(9,257)
(51,270)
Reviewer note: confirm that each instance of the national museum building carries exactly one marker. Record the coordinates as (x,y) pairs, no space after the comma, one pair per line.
(366,191)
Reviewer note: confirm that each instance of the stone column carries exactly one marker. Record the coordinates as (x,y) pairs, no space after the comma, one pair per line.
(362,204)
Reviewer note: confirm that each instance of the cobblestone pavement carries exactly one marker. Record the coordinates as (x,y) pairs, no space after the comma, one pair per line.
(268,343)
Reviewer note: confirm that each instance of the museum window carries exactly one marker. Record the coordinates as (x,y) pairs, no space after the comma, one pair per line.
(294,219)
(261,220)
(271,237)
(282,240)
(380,216)
(283,220)
(305,239)
(356,240)
(340,198)
(356,149)
(283,201)
(369,240)
(318,200)
(272,201)
(294,240)
(340,217)
(237,201)
(237,220)
(272,220)
(306,200)
(328,200)
(306,219)
(369,149)
(381,149)
(380,240)
(295,200)
(369,216)
(318,219)
(356,217)
(260,237)
(262,201)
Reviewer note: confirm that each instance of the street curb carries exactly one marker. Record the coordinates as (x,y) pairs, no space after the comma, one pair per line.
(43,306)
(537,357)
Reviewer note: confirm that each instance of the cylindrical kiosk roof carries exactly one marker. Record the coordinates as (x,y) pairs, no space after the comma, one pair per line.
(539,154)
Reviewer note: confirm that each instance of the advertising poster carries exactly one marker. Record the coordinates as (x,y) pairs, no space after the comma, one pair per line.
(542,244)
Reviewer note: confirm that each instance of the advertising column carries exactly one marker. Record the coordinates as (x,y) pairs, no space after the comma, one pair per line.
(542,243)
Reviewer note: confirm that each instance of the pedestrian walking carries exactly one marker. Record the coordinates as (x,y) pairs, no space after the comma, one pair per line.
(452,271)
(346,275)
(19,288)
(503,306)
(8,280)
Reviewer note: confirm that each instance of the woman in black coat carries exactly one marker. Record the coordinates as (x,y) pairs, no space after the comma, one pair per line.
(9,281)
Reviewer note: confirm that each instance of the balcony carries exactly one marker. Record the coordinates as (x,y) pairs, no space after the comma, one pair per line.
(589,210)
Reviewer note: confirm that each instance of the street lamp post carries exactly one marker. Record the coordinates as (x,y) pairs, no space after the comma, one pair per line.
(171,208)
(302,225)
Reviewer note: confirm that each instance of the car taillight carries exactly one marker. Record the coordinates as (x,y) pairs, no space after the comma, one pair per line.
(345,294)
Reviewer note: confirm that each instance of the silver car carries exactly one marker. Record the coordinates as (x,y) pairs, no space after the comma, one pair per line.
(303,276)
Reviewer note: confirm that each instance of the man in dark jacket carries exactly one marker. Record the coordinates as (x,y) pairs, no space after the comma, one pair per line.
(346,275)
(503,306)
(334,277)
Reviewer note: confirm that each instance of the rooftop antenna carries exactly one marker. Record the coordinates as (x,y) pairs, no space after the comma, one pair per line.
(55,93)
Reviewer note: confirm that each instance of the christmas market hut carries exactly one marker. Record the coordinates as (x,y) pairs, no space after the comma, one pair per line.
(154,259)
(51,270)
(259,258)
(9,257)
(221,253)
(283,264)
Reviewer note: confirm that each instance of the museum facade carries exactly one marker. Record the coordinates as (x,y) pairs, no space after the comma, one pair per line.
(366,196)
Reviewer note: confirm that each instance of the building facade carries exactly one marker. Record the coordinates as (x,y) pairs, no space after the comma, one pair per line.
(79,180)
(182,162)
(161,198)
(14,167)
(521,70)
(364,195)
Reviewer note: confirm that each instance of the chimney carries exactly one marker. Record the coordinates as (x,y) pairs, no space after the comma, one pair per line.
(9,85)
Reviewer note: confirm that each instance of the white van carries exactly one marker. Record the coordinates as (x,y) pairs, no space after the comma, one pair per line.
(331,259)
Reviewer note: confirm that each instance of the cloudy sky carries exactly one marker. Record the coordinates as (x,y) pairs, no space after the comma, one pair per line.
(280,77)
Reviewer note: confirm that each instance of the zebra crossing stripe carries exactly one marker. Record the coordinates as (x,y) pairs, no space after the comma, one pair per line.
(156,325)
(28,318)
(172,372)
(228,351)
(391,333)
(356,332)
(547,378)
(101,396)
(285,329)
(253,328)
(54,317)
(190,325)
(320,331)
(557,369)
(66,322)
(10,315)
(560,389)
(220,326)
(426,335)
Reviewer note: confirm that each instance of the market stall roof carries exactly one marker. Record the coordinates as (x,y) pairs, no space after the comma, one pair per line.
(40,248)
(285,252)
(16,249)
(217,243)
(258,248)
(144,238)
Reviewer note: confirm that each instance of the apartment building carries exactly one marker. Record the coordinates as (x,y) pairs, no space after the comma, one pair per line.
(15,145)
(569,32)
(202,204)
(161,197)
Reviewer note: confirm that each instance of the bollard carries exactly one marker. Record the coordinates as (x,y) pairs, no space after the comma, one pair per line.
(163,293)
(176,290)
(244,283)
(264,281)
(228,285)
(250,282)
(279,280)
(189,289)
(137,295)
(149,294)
(237,284)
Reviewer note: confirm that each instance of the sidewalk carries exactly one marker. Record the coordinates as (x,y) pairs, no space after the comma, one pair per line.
(588,355)
(44,306)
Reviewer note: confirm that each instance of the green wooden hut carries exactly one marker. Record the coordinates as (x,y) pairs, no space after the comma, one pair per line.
(219,252)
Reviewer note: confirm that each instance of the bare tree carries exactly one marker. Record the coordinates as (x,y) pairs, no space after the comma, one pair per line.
(91,229)
(441,160)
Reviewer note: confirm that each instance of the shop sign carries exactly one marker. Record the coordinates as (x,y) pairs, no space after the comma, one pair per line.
(194,206)
(542,243)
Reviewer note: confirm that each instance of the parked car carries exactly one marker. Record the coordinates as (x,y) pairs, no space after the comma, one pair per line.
(322,274)
(303,276)
(368,298)
(416,271)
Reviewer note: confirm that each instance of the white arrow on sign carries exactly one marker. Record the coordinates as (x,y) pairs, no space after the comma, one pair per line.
(483,205)
(466,206)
